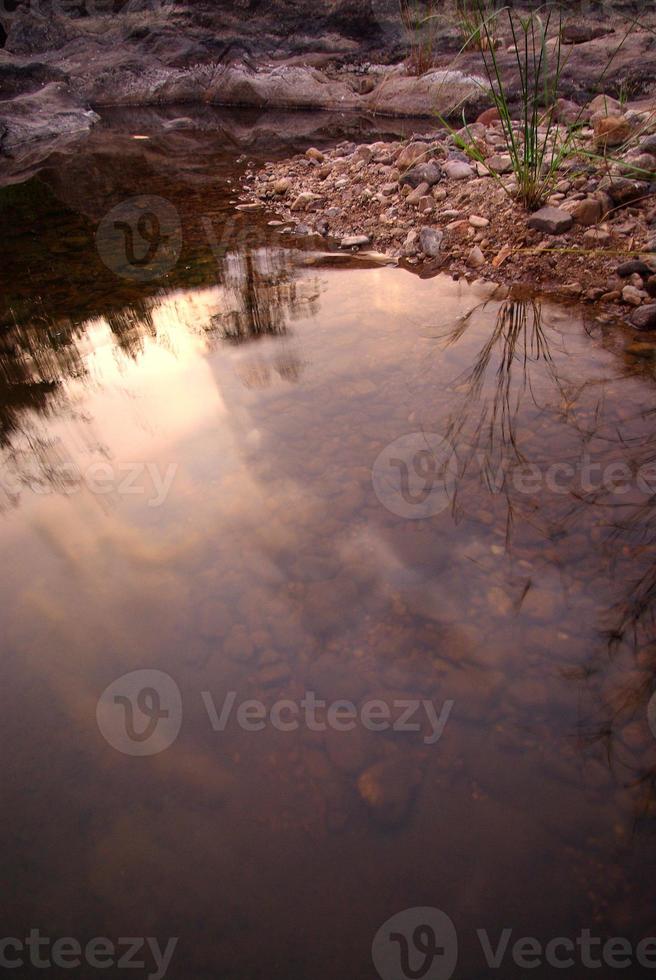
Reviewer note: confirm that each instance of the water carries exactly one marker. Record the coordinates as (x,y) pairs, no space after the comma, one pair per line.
(272,472)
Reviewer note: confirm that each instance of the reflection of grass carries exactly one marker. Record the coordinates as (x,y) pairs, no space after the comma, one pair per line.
(517,341)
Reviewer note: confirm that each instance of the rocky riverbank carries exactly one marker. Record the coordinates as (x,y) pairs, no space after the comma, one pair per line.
(60,61)
(427,204)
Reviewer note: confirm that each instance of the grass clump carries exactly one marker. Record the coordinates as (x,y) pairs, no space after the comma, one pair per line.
(472,15)
(532,142)
(419,19)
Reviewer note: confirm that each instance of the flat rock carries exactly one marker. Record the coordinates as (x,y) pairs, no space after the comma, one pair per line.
(500,163)
(355,241)
(552,221)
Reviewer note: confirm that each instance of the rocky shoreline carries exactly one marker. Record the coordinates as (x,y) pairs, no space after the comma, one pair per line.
(427,205)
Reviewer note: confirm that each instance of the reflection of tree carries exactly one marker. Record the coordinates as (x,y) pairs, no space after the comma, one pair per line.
(262,294)
(496,393)
(131,326)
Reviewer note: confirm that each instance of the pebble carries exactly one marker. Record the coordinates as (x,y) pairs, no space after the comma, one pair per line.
(457,170)
(632,295)
(417,194)
(430,241)
(589,211)
(304,200)
(477,222)
(500,163)
(475,259)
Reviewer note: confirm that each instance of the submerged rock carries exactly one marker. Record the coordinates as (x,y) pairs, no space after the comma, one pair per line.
(644,318)
(389,789)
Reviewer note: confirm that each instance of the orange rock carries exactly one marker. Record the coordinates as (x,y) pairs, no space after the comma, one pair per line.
(489,116)
(611,131)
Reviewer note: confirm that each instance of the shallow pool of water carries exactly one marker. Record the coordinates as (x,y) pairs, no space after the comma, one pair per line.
(267,475)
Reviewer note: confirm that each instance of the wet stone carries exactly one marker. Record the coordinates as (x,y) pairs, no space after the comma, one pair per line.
(644,318)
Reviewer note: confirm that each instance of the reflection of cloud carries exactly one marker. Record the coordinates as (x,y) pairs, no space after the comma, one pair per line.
(151,346)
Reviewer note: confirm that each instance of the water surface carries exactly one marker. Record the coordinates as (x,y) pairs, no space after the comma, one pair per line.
(189,477)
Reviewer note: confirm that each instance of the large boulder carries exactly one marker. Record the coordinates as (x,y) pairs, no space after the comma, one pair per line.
(31,32)
(441,92)
(43,115)
(281,87)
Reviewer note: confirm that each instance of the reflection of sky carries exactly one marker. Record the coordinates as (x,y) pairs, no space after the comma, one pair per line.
(271,525)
